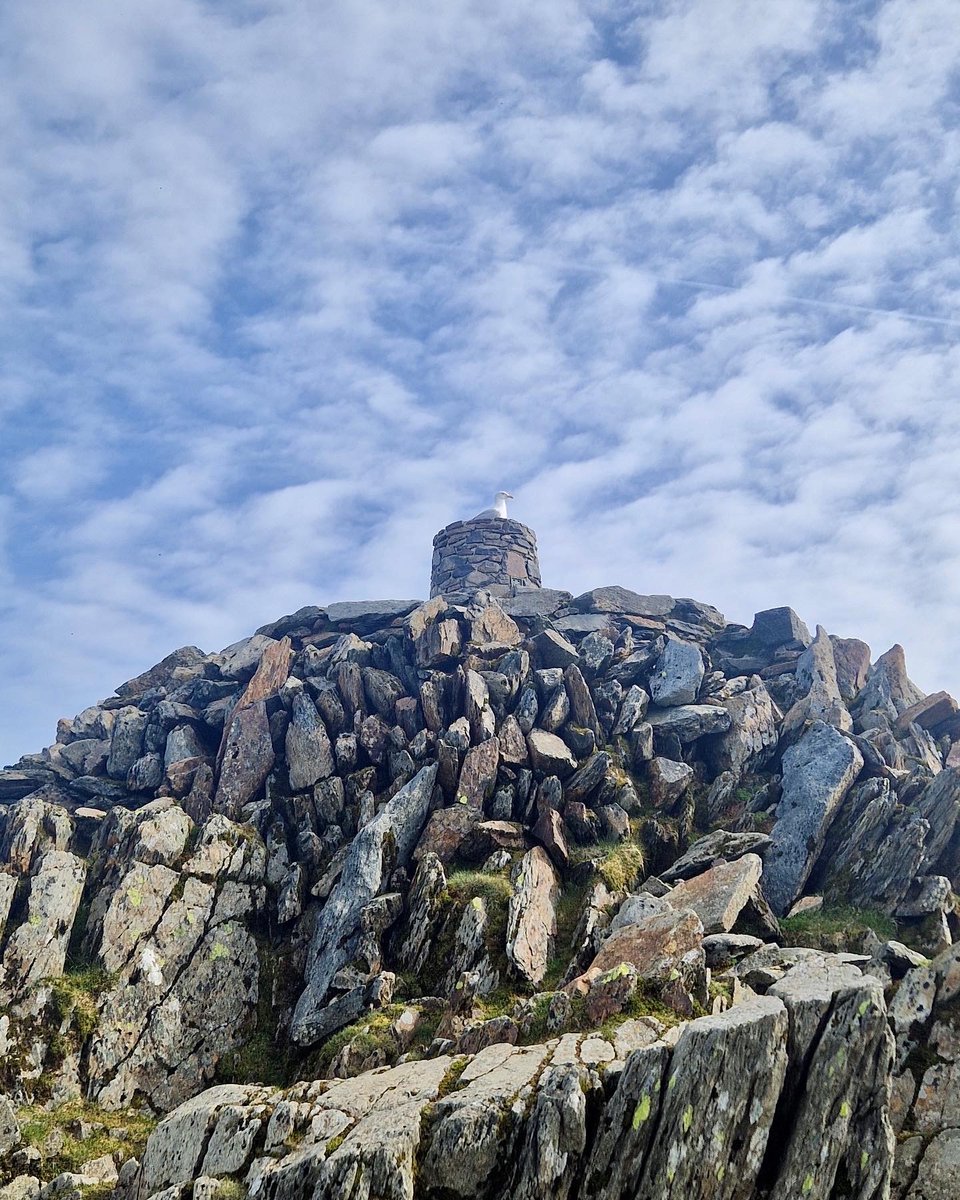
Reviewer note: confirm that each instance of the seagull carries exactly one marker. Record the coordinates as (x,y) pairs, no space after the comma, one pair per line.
(499,507)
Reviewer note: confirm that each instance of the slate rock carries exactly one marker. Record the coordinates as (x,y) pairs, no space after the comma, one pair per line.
(707,850)
(549,754)
(690,721)
(551,649)
(248,757)
(531,917)
(668,780)
(677,674)
(817,773)
(719,895)
(384,844)
(617,599)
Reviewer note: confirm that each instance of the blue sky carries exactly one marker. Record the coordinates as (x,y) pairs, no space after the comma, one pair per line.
(288,286)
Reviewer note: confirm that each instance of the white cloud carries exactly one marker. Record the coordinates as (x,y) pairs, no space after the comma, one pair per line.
(287,288)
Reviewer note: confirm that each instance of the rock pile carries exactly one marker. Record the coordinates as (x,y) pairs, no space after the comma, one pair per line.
(518,895)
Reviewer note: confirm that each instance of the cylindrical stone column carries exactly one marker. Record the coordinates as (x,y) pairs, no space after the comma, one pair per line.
(494,553)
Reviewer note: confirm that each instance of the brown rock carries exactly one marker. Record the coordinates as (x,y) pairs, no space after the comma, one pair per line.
(929,712)
(478,774)
(446,831)
(668,781)
(581,702)
(270,675)
(532,918)
(549,754)
(549,831)
(247,759)
(719,895)
(655,946)
(493,625)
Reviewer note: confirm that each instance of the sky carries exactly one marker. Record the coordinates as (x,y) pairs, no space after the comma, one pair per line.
(287,286)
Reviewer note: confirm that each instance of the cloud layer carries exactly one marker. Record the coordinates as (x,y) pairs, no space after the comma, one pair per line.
(289,286)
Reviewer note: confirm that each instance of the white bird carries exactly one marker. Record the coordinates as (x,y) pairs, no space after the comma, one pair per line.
(499,507)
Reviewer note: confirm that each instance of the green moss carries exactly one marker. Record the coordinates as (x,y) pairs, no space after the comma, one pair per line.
(464,886)
(335,1143)
(841,927)
(367,1036)
(618,864)
(123,1134)
(228,1189)
(261,1059)
(75,994)
(451,1078)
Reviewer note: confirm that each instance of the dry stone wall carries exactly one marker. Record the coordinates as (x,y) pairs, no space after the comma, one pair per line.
(494,553)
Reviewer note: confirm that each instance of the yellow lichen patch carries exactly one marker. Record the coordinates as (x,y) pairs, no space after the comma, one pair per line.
(642,1111)
(687,1119)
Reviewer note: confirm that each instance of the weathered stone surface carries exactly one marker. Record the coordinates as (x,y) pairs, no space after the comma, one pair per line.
(938,1171)
(492,624)
(588,778)
(582,709)
(478,774)
(751,739)
(839,1126)
(387,841)
(552,649)
(531,919)
(308,749)
(247,759)
(928,713)
(719,895)
(816,677)
(533,602)
(939,806)
(617,599)
(778,627)
(852,660)
(37,949)
(439,643)
(633,709)
(888,690)
(654,946)
(690,721)
(367,616)
(705,851)
(716,1149)
(126,742)
(817,773)
(677,674)
(549,754)
(668,781)
(270,676)
(188,660)
(477,707)
(467,1146)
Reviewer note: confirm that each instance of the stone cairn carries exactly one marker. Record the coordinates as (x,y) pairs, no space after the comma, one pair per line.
(494,553)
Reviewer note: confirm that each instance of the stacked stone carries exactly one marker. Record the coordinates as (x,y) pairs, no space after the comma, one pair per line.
(493,553)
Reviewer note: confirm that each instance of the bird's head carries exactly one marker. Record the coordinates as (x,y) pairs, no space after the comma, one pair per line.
(504,496)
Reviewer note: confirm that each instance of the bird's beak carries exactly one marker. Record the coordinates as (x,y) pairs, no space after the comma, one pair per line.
(509,495)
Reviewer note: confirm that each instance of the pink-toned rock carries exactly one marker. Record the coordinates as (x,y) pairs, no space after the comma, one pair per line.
(929,712)
(446,831)
(247,759)
(719,895)
(532,918)
(478,774)
(655,946)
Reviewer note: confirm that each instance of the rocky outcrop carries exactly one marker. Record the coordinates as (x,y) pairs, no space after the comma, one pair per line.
(470,898)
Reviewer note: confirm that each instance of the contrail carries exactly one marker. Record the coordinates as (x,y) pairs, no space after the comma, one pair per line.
(924,318)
